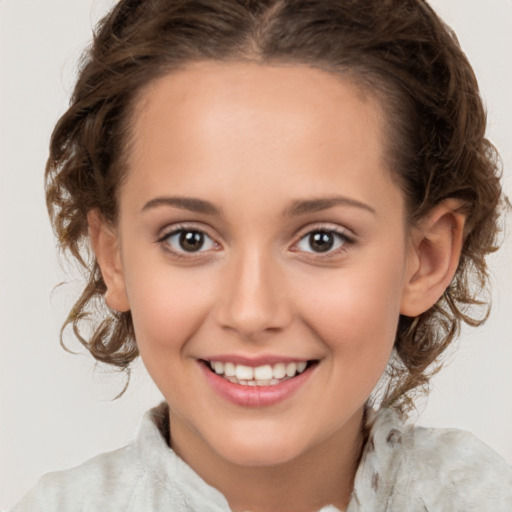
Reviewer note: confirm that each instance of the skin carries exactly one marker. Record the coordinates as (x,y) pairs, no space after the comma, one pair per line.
(254,141)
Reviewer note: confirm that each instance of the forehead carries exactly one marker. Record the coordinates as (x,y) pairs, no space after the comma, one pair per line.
(205,94)
(230,122)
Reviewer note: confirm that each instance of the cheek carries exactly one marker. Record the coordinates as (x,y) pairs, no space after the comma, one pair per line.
(168,308)
(356,310)
(357,324)
(167,305)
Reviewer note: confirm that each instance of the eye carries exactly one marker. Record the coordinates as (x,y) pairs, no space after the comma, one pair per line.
(322,241)
(185,240)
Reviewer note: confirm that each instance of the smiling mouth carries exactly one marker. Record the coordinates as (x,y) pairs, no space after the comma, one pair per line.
(264,375)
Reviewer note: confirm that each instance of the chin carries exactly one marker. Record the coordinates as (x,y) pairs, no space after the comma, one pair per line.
(259,451)
(259,457)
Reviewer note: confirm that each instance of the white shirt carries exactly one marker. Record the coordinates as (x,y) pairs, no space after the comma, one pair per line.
(403,469)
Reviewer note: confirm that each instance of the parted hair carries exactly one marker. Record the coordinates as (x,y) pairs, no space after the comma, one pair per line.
(399,51)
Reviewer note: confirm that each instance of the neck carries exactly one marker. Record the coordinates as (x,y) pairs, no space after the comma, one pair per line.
(324,475)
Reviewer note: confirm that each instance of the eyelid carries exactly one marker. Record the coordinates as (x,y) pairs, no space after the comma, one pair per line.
(326,226)
(336,229)
(346,234)
(173,229)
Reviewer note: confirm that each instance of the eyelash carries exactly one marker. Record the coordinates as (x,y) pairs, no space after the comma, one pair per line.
(340,237)
(180,230)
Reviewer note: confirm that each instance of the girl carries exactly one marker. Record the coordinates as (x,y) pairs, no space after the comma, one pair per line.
(287,203)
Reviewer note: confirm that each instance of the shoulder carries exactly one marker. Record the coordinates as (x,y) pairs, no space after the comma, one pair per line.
(145,475)
(416,469)
(453,466)
(107,480)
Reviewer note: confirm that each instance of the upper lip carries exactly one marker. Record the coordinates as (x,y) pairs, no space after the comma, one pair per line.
(255,361)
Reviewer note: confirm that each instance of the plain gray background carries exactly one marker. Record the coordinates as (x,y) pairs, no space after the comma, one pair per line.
(55,411)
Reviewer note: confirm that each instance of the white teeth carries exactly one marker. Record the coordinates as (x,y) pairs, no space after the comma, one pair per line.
(301,367)
(229,369)
(279,371)
(291,369)
(263,372)
(244,372)
(265,375)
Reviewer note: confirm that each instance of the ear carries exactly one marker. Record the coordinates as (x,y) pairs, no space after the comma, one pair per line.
(436,244)
(105,244)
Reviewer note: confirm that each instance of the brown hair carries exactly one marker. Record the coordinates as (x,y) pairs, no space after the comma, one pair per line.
(398,50)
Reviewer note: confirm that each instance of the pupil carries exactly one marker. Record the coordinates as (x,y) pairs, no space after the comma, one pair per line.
(321,241)
(191,241)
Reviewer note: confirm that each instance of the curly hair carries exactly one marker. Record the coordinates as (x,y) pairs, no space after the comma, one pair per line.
(397,50)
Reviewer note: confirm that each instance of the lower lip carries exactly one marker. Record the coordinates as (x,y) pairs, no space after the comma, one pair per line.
(255,396)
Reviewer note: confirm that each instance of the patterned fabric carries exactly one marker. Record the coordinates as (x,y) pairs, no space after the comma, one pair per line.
(403,469)
(414,469)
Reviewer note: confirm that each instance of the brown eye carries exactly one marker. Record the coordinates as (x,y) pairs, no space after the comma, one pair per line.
(185,240)
(191,241)
(323,241)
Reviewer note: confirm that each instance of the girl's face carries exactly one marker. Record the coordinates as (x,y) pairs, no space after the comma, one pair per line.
(261,235)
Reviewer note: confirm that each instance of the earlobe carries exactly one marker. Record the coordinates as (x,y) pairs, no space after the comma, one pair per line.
(105,244)
(436,245)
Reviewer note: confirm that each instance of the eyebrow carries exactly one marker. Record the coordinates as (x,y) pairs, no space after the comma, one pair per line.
(298,207)
(191,204)
(302,207)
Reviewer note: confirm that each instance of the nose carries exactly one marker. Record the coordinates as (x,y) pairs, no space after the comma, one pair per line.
(254,300)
